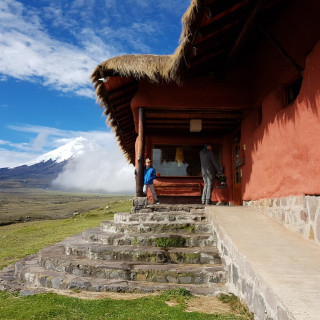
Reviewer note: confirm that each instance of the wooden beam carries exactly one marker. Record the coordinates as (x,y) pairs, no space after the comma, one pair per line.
(140,174)
(127,87)
(187,121)
(212,132)
(224,20)
(122,107)
(192,109)
(219,9)
(244,31)
(209,55)
(188,116)
(120,93)
(216,40)
(126,124)
(182,127)
(284,53)
(120,100)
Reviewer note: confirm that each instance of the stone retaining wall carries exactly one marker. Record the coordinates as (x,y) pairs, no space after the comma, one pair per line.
(243,282)
(298,213)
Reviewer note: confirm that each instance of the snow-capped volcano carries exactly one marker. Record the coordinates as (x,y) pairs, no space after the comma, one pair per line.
(70,150)
(41,171)
(94,164)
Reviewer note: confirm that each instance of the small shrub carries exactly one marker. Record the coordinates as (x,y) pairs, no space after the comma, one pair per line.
(180,295)
(236,306)
(170,242)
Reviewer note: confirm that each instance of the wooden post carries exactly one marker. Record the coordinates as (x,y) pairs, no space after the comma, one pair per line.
(139,178)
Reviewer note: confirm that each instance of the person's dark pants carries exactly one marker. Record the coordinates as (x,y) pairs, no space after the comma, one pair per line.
(208,178)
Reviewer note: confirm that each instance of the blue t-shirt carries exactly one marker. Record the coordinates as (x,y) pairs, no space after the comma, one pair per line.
(149,175)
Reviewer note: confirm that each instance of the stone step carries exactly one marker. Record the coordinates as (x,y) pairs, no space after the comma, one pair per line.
(178,216)
(77,246)
(30,272)
(54,259)
(149,239)
(192,208)
(155,227)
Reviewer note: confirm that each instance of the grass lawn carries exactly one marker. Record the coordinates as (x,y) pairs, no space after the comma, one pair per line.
(22,239)
(53,306)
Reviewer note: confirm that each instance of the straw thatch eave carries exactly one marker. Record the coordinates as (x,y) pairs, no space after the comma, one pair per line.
(190,23)
(138,66)
(154,68)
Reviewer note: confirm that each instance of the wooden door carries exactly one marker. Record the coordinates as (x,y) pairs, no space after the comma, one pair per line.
(236,174)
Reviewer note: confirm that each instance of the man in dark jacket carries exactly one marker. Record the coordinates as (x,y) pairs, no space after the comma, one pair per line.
(209,168)
(149,176)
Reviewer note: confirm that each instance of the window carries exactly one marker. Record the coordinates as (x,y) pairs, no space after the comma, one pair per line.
(179,160)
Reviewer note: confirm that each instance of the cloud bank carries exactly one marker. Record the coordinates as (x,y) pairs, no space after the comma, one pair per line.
(29,52)
(59,43)
(100,168)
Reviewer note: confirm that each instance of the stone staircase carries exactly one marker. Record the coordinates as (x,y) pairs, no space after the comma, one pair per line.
(156,248)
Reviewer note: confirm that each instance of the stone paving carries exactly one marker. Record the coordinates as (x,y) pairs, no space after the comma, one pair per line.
(273,269)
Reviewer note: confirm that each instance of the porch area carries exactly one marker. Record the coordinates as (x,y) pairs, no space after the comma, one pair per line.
(273,269)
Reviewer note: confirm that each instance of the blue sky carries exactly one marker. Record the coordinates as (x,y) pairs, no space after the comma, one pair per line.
(48,49)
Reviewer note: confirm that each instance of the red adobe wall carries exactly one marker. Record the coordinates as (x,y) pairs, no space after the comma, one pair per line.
(283,153)
(195,93)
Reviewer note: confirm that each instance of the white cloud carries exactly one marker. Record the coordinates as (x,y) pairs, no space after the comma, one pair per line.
(28,52)
(59,43)
(11,159)
(40,138)
(101,167)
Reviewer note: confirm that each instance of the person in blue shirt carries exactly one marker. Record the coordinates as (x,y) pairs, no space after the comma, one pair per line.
(149,176)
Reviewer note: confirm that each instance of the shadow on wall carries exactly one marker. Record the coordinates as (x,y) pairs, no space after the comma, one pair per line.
(282,152)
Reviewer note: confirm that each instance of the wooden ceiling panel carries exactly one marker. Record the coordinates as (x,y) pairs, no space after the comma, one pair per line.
(220,22)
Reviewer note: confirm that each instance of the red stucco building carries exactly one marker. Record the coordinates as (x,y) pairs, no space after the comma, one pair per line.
(245,77)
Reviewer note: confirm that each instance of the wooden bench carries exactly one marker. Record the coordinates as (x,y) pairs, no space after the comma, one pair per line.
(179,189)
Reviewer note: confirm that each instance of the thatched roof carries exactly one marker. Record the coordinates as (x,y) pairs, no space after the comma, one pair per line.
(212,34)
(137,66)
(121,73)
(154,68)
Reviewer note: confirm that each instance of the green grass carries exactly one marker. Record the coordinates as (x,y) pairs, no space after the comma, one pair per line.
(22,239)
(170,242)
(53,306)
(180,295)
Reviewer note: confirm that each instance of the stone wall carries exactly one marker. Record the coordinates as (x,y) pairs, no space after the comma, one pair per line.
(139,203)
(300,214)
(243,282)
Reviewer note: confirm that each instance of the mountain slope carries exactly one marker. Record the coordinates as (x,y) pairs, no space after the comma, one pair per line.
(41,171)
(39,175)
(71,149)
